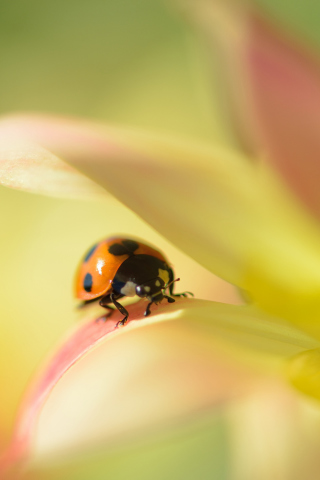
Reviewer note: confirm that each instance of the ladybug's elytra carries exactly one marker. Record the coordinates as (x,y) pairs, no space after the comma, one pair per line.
(121,267)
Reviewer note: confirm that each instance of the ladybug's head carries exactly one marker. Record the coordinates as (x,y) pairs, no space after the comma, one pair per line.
(152,290)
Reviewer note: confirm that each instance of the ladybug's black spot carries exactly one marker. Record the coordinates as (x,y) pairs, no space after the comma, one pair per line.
(90,253)
(117,249)
(87,282)
(130,245)
(127,247)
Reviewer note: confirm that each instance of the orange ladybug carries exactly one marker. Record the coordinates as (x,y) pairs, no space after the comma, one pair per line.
(122,267)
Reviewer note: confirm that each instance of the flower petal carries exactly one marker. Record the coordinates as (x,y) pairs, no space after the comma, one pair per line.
(230,216)
(274,84)
(209,201)
(27,166)
(289,445)
(288,448)
(142,171)
(304,372)
(94,390)
(286,92)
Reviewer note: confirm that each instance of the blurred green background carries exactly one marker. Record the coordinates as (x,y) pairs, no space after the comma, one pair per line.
(120,61)
(126,62)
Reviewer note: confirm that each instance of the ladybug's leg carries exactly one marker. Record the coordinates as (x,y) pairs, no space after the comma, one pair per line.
(148,311)
(183,294)
(121,310)
(170,300)
(171,287)
(103,302)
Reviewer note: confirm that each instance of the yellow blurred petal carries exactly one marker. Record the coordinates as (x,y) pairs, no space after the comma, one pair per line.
(273,84)
(274,434)
(304,372)
(167,183)
(230,215)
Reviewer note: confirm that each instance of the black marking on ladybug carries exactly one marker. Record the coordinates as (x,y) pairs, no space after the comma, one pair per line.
(87,282)
(131,245)
(126,248)
(117,249)
(90,253)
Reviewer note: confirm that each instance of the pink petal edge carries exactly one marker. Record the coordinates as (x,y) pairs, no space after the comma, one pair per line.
(272,86)
(285,83)
(78,344)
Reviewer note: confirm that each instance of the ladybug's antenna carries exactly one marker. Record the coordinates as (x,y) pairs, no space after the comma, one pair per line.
(170,283)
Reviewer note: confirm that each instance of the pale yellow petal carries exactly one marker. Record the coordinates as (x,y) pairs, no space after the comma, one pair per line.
(231,216)
(274,434)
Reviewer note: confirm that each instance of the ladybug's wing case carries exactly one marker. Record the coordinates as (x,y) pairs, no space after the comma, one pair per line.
(99,266)
(97,270)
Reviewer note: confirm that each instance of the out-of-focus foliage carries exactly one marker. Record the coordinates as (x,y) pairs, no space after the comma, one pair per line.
(124,61)
(300,18)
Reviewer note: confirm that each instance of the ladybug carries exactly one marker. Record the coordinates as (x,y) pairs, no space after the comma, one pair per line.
(122,267)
